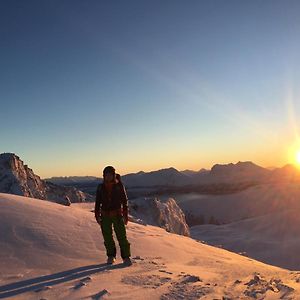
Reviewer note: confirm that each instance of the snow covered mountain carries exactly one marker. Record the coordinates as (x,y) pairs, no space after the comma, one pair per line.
(17,178)
(193,173)
(287,173)
(49,251)
(73,180)
(167,214)
(162,177)
(239,173)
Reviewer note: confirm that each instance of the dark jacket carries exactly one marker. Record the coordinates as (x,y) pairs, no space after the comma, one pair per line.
(118,198)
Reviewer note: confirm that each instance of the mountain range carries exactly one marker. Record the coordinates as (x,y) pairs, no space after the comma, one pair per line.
(241,172)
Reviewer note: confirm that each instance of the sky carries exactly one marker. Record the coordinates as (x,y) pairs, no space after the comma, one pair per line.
(145,85)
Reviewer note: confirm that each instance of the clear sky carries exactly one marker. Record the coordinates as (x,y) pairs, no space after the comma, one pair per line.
(144,85)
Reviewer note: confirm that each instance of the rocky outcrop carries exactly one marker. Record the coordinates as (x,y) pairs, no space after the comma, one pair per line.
(17,178)
(166,214)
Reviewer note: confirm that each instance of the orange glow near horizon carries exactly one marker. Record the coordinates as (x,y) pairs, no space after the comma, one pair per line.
(298,158)
(95,168)
(293,150)
(294,153)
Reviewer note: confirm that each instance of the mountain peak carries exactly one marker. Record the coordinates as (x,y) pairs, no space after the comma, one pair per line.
(238,165)
(246,163)
(170,169)
(8,155)
(17,178)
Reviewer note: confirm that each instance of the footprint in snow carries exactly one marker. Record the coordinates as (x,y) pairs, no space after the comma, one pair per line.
(146,281)
(186,288)
(258,286)
(82,282)
(79,285)
(100,294)
(165,271)
(147,263)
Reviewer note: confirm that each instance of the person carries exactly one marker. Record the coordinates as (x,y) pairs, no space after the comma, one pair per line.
(111,209)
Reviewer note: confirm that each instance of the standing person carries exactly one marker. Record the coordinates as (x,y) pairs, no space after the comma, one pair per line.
(111,208)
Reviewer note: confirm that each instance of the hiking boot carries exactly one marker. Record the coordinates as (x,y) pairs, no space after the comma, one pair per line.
(127,261)
(110,260)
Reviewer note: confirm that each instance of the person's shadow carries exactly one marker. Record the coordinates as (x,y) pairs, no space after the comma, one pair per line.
(38,283)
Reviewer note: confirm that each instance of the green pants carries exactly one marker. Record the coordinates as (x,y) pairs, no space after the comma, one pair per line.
(120,230)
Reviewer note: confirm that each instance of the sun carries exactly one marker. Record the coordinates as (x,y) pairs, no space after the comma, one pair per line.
(293,153)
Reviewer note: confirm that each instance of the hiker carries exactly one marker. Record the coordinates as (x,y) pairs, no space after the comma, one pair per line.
(111,208)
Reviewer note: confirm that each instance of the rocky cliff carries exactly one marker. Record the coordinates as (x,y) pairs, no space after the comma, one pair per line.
(17,178)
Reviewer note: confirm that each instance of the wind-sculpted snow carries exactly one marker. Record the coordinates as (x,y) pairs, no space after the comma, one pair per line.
(50,251)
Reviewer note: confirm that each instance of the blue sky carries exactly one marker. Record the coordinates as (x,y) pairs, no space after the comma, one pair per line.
(144,85)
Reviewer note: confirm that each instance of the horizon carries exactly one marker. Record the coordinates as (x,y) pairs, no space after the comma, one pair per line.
(180,170)
(151,170)
(143,85)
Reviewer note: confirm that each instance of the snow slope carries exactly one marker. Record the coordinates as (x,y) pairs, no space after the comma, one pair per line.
(49,251)
(252,202)
(273,238)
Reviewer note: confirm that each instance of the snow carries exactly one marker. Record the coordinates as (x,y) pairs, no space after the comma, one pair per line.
(50,251)
(166,214)
(252,202)
(272,238)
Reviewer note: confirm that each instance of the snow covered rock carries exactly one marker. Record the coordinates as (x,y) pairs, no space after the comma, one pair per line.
(17,178)
(166,214)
